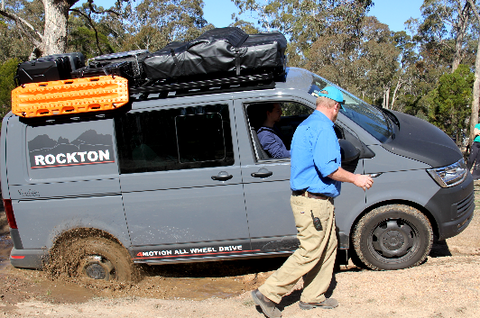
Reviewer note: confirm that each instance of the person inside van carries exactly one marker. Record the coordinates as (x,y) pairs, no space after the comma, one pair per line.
(268,135)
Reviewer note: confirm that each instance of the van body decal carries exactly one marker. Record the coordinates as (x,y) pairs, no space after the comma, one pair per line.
(192,252)
(88,148)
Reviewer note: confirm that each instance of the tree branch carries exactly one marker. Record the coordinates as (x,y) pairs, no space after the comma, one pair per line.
(93,27)
(475,11)
(94,10)
(21,24)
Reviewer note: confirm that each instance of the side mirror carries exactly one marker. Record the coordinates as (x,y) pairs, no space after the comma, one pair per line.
(348,151)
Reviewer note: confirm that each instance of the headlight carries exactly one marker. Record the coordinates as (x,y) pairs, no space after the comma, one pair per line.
(451,175)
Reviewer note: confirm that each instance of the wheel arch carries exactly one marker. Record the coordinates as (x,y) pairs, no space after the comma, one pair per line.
(84,232)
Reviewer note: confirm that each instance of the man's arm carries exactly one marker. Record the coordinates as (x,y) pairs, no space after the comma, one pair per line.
(360,180)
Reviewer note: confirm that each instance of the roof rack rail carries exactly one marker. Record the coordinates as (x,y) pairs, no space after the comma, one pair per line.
(219,84)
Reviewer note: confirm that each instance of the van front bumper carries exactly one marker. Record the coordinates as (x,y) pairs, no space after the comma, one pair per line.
(453,208)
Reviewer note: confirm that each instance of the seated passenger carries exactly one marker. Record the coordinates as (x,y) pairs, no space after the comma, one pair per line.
(268,136)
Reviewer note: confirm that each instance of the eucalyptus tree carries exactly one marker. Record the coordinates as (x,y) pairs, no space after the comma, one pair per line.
(476,85)
(306,21)
(47,30)
(14,37)
(156,23)
(444,30)
(366,67)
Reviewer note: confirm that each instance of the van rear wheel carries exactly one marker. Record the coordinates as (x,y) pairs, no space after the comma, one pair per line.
(95,258)
(393,237)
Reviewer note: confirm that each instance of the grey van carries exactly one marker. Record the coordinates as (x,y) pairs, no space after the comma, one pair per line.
(181,177)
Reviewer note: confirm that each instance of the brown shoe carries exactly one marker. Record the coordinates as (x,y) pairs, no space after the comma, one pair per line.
(328,303)
(268,306)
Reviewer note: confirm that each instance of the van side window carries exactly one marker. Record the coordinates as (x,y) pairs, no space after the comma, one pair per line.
(292,115)
(173,139)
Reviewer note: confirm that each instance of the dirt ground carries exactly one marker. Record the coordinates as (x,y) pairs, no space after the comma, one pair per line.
(446,285)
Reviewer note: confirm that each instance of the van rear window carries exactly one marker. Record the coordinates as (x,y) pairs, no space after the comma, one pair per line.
(173,139)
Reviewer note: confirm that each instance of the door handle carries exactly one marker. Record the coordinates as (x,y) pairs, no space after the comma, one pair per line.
(222,176)
(262,173)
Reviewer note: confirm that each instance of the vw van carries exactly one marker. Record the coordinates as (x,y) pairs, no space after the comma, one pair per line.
(177,175)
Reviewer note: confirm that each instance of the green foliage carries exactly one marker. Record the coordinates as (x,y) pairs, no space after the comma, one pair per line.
(449,103)
(167,21)
(366,67)
(84,39)
(8,70)
(305,21)
(445,32)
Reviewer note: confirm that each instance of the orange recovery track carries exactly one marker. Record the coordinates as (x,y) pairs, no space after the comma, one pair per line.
(71,96)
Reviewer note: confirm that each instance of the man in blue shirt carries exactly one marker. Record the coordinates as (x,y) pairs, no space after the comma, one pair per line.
(316,176)
(267,135)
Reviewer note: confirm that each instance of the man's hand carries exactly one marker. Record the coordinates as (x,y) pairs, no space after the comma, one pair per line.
(363,181)
(360,180)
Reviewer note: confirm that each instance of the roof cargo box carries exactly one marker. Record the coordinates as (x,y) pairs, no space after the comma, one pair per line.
(49,68)
(218,52)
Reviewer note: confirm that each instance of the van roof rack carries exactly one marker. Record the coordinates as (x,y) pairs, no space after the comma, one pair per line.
(104,93)
(197,86)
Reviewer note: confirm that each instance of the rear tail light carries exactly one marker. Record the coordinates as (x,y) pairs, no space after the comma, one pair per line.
(7,204)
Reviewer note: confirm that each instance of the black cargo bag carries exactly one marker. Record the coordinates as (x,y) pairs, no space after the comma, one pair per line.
(219,52)
(49,68)
(127,64)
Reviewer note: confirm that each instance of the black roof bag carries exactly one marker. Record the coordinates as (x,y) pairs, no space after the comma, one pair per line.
(219,52)
(49,68)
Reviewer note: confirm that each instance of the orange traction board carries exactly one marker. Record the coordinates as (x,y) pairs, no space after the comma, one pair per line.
(79,95)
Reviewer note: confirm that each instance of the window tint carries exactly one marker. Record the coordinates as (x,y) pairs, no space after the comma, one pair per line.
(172,139)
(292,115)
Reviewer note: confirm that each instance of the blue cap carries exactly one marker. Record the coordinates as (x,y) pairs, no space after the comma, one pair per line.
(332,93)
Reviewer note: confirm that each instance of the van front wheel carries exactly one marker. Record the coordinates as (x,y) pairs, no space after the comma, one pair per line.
(393,237)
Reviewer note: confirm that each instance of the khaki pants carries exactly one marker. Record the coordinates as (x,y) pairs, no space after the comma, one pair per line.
(315,257)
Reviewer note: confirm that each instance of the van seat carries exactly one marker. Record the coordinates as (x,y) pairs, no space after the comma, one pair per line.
(259,151)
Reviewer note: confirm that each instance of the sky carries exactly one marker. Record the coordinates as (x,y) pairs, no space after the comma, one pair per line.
(393,13)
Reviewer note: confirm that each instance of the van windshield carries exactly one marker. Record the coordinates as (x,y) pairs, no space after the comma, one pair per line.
(370,118)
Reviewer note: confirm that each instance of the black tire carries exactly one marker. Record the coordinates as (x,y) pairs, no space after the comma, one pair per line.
(95,258)
(393,237)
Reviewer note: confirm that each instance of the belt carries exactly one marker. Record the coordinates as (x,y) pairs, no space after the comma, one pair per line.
(304,193)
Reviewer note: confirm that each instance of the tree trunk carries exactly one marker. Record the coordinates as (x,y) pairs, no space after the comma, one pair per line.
(461,28)
(55,32)
(395,91)
(476,95)
(386,98)
(476,84)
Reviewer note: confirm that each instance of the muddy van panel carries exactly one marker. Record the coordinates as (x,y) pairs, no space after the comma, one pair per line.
(60,215)
(67,179)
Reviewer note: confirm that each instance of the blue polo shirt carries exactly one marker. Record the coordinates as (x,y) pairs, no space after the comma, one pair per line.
(315,155)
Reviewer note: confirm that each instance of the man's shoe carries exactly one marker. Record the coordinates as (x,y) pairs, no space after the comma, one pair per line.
(328,303)
(268,306)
